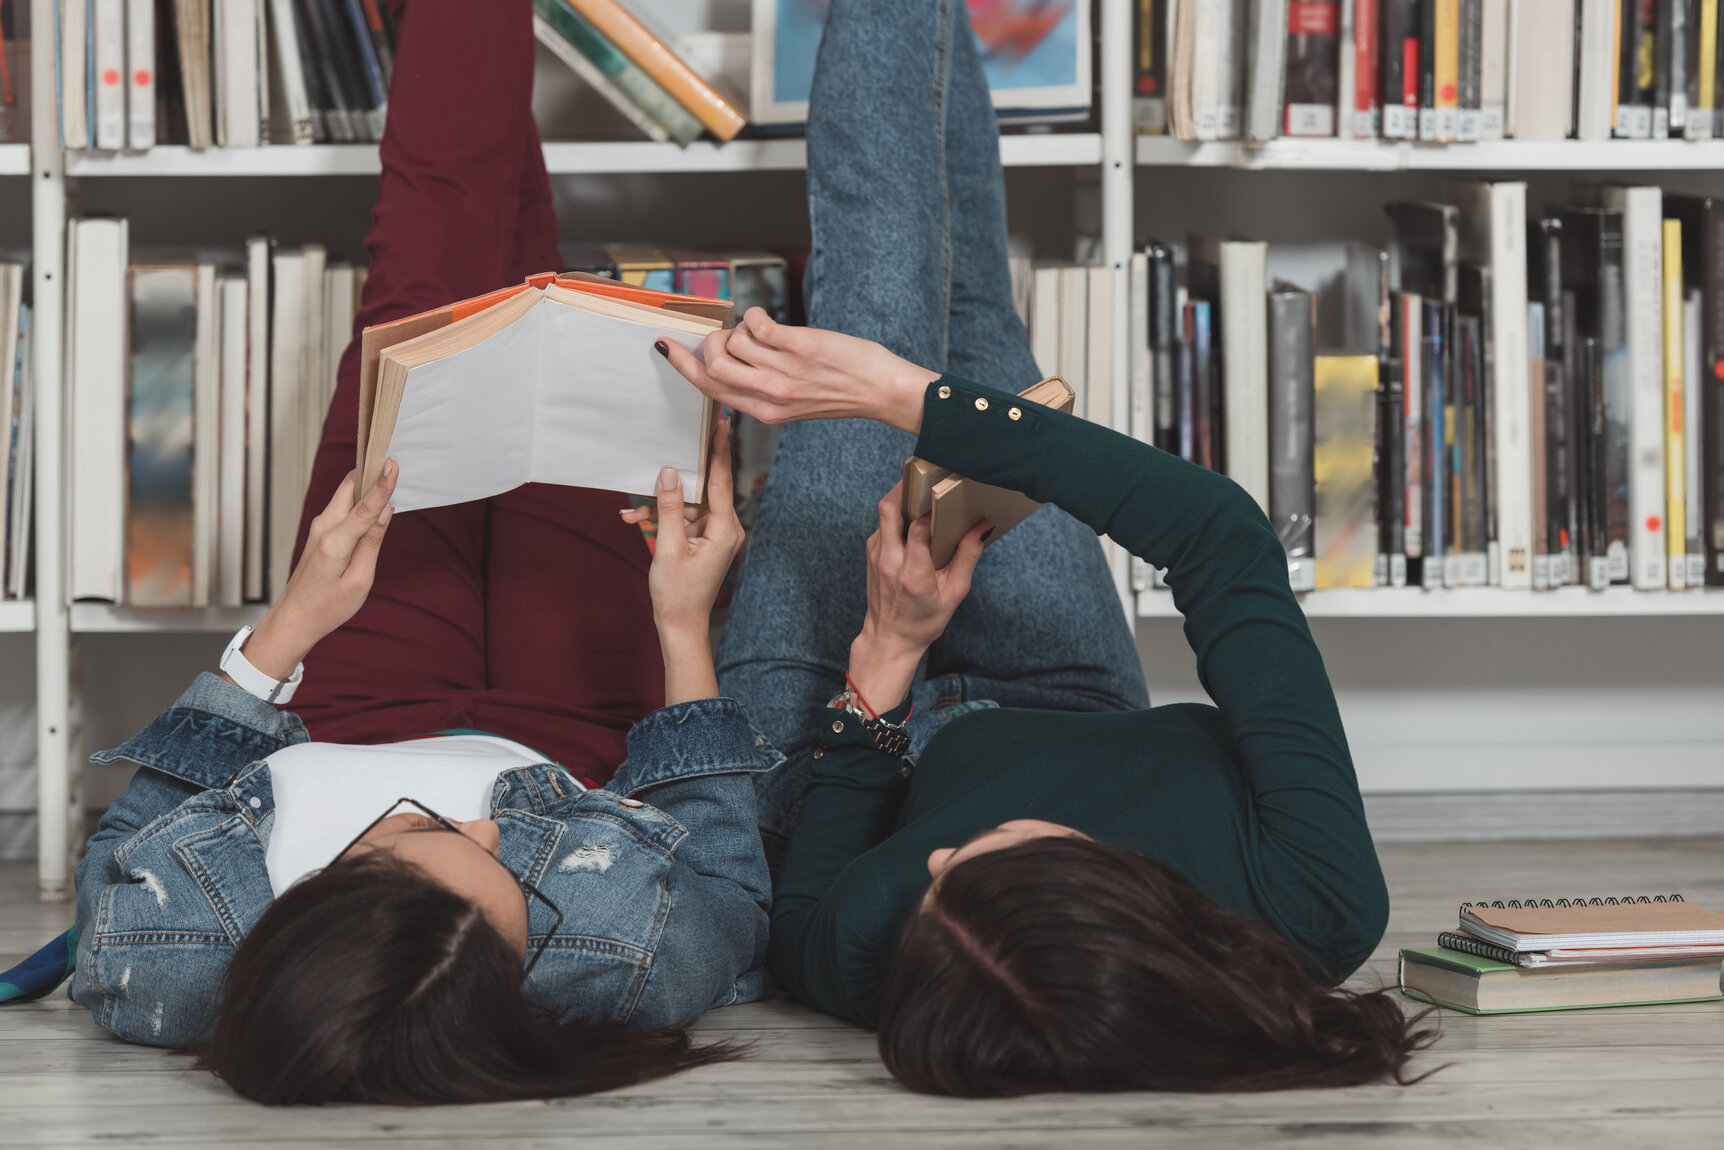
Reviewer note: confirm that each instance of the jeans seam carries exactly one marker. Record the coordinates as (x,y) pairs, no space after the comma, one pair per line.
(942,77)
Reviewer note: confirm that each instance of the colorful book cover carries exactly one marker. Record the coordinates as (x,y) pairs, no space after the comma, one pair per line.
(160,437)
(1344,419)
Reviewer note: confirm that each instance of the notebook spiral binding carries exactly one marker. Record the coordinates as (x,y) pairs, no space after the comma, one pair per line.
(1540,903)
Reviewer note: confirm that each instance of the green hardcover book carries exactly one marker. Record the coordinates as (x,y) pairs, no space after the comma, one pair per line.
(652,99)
(1479,985)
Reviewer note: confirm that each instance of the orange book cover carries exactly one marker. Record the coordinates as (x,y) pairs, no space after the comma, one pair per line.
(716,113)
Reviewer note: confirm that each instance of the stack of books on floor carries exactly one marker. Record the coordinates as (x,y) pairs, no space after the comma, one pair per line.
(17,433)
(1499,398)
(1428,70)
(1507,957)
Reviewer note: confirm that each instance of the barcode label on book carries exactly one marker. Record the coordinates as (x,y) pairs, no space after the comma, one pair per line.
(1310,120)
(1616,560)
(1541,573)
(1302,573)
(1394,122)
(1491,122)
(1640,123)
(1678,110)
(1474,569)
(1469,126)
(1624,126)
(1208,121)
(1597,572)
(1696,571)
(1448,123)
(1397,570)
(1427,123)
(1365,125)
(1699,126)
(1660,123)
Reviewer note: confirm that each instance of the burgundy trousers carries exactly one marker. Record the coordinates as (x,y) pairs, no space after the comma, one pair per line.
(526,615)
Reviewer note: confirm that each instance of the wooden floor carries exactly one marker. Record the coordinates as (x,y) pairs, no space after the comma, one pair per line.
(1635,1077)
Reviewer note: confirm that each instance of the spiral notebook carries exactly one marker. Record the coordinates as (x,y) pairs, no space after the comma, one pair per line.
(1556,924)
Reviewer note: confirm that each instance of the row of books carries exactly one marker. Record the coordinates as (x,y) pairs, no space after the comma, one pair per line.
(191,440)
(1428,70)
(1517,955)
(1521,400)
(17,433)
(197,384)
(134,73)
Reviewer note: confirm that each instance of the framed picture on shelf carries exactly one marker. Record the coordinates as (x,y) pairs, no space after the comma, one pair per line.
(1036,54)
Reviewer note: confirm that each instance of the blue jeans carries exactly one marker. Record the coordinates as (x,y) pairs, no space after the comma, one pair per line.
(907,205)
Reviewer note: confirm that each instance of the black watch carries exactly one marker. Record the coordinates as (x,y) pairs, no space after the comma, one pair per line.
(889,737)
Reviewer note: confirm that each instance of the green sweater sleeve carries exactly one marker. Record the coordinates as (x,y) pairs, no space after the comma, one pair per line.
(818,931)
(1255,654)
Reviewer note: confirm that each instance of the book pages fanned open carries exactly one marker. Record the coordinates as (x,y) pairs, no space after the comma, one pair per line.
(554,382)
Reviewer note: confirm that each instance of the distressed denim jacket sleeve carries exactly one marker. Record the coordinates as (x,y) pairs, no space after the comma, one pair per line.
(140,900)
(697,762)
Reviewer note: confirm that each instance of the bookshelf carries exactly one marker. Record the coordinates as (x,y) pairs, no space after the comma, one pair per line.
(1620,157)
(89,618)
(17,615)
(1021,150)
(14,159)
(1480,603)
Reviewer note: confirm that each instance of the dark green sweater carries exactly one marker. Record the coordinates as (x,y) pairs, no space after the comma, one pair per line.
(1254,799)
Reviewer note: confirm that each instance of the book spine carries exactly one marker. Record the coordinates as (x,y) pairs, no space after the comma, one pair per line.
(1410,351)
(1693,306)
(641,88)
(1446,67)
(1672,68)
(1291,475)
(1267,55)
(1595,104)
(140,75)
(615,23)
(1398,69)
(382,34)
(1470,72)
(73,32)
(1643,404)
(370,67)
(1367,111)
(599,82)
(302,121)
(1428,20)
(1343,419)
(1164,332)
(335,53)
(1244,399)
(1538,439)
(1391,466)
(192,21)
(319,62)
(1149,68)
(1701,120)
(1436,455)
(1712,395)
(1312,63)
(1675,446)
(109,33)
(1346,84)
(160,554)
(1203,389)
(1493,69)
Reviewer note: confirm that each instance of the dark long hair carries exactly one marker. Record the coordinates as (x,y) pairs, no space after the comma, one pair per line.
(371,983)
(1067,964)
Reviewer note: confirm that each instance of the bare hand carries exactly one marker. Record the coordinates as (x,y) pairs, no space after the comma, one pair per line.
(332,579)
(695,545)
(909,602)
(782,374)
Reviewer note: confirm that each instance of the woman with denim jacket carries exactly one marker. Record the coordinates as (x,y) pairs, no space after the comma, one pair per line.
(997,851)
(548,924)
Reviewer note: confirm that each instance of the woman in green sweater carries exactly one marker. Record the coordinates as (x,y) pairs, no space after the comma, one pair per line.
(1001,855)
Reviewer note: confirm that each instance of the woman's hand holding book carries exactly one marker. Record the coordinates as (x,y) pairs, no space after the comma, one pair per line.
(332,578)
(782,374)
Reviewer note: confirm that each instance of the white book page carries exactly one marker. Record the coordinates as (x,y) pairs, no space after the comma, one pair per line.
(562,396)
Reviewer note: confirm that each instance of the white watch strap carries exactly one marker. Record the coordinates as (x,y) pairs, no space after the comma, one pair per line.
(237,667)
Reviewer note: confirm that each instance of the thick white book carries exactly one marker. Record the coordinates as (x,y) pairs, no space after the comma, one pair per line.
(1045,320)
(239,114)
(228,588)
(300,123)
(74,34)
(1346,66)
(340,304)
(1209,79)
(1098,355)
(1140,384)
(1642,211)
(1074,334)
(1493,233)
(11,380)
(311,361)
(1264,86)
(1493,69)
(256,517)
(260,20)
(287,476)
(140,75)
(1541,69)
(1597,96)
(108,36)
(1245,365)
(95,366)
(192,26)
(206,436)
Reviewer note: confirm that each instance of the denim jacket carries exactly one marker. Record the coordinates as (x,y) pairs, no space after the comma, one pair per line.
(665,897)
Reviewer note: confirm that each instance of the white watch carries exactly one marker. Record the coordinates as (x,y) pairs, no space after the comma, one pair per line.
(237,667)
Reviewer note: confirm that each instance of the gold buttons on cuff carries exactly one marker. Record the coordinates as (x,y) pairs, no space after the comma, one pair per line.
(1015,414)
(945,392)
(818,752)
(981,403)
(837,728)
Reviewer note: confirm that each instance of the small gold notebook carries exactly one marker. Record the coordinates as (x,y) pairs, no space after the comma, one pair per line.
(958,504)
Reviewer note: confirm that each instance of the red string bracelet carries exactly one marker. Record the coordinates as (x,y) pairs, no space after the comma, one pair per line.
(872,713)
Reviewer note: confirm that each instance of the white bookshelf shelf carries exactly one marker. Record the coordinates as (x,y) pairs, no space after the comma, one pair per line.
(14,159)
(601,158)
(1479,603)
(95,618)
(1403,156)
(17,615)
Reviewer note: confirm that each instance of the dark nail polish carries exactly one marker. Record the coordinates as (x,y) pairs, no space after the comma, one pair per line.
(662,348)
(987,535)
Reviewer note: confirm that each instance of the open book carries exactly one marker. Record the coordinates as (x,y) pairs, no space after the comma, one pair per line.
(958,504)
(552,381)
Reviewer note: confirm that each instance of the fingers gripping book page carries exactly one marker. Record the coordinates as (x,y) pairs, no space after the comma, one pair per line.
(544,388)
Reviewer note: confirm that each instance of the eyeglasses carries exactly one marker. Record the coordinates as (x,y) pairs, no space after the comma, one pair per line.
(528,890)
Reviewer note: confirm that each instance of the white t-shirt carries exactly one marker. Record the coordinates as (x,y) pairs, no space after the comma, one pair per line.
(325,793)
